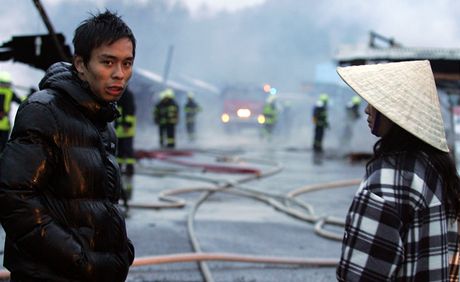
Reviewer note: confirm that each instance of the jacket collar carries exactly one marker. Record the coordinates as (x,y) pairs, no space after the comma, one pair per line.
(63,78)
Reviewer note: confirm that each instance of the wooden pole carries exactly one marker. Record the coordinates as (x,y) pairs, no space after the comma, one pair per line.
(50,28)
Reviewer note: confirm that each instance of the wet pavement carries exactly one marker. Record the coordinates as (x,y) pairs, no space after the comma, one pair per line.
(236,224)
(233,220)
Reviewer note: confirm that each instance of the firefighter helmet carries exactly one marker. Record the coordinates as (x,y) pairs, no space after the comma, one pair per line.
(169,93)
(356,100)
(5,77)
(271,98)
(323,97)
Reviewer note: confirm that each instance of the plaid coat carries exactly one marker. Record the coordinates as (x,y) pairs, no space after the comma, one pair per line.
(397,228)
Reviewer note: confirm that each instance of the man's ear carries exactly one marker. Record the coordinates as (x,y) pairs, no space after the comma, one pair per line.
(79,64)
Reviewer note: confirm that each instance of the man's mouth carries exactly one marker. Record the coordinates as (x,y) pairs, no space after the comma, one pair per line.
(114,90)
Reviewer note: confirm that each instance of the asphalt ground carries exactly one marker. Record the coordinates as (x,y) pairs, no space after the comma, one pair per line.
(237,224)
(233,223)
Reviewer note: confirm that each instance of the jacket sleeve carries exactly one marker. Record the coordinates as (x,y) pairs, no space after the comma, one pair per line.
(26,167)
(372,246)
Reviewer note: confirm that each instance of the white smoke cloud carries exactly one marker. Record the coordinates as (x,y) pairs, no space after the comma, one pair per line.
(204,8)
(421,23)
(254,39)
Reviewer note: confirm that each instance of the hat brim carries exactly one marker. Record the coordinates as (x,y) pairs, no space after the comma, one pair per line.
(405,93)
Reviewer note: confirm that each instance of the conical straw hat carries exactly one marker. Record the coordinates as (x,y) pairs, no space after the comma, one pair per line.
(404,92)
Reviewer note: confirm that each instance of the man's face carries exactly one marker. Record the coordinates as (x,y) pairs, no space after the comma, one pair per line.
(108,70)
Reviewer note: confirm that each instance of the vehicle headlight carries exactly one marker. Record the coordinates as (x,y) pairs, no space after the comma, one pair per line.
(261,119)
(225,118)
(243,113)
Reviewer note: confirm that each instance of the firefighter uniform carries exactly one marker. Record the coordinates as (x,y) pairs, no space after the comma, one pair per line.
(166,116)
(320,120)
(125,128)
(191,109)
(352,114)
(353,108)
(270,114)
(7,96)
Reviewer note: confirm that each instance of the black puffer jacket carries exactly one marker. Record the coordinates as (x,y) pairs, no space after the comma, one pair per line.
(59,186)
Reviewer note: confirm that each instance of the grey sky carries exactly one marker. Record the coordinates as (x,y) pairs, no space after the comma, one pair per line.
(271,40)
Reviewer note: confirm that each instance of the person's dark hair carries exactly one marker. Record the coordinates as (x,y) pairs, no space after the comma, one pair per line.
(400,141)
(103,28)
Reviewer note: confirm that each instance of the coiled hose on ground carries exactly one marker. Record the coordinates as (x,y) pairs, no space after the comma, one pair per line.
(284,203)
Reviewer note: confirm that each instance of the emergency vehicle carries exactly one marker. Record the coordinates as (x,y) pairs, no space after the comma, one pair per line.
(242,107)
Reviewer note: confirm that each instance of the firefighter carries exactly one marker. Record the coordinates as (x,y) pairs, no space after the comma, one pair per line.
(191,110)
(125,128)
(320,120)
(166,115)
(7,96)
(352,114)
(353,108)
(270,114)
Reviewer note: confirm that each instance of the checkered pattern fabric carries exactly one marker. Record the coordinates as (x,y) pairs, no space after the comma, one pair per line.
(455,261)
(397,228)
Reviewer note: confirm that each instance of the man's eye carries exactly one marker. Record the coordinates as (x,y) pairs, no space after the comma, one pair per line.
(108,63)
(128,64)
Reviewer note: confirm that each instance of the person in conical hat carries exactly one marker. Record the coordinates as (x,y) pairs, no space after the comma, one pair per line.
(399,223)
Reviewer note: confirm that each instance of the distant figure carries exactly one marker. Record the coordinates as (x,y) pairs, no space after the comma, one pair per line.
(125,128)
(59,177)
(320,120)
(7,96)
(166,116)
(191,110)
(352,114)
(287,119)
(270,113)
(353,108)
(403,221)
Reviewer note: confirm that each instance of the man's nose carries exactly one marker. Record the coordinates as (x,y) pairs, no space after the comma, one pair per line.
(119,72)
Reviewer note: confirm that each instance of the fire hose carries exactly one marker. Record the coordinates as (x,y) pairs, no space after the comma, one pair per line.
(201,257)
(319,222)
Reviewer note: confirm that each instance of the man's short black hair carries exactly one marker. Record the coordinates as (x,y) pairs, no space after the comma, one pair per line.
(103,28)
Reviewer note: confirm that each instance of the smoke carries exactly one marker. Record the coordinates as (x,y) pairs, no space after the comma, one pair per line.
(272,41)
(283,43)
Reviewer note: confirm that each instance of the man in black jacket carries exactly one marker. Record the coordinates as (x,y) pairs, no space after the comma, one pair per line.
(59,178)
